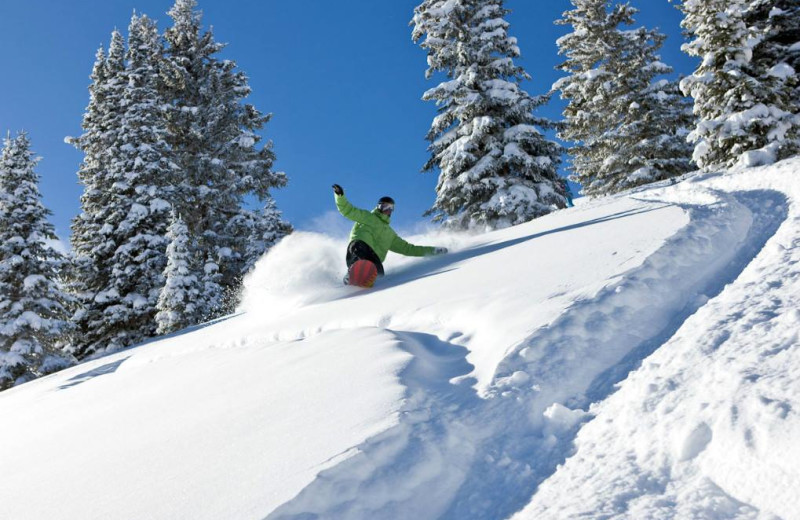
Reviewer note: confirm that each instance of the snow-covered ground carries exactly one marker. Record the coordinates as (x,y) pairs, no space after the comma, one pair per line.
(635,357)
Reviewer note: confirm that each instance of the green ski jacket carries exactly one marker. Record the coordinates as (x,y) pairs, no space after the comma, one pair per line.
(373,228)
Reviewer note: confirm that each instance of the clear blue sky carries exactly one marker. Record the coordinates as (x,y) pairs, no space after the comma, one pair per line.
(343,80)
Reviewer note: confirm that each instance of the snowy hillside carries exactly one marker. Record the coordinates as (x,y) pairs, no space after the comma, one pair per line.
(490,383)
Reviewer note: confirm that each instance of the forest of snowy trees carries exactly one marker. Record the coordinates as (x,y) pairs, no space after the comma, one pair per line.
(172,152)
(164,237)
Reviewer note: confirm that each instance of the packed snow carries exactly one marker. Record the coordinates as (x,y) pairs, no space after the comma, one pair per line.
(637,356)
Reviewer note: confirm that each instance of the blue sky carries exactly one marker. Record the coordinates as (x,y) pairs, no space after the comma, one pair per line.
(342,79)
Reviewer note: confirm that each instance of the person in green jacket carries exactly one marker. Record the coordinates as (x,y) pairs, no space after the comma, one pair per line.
(371,237)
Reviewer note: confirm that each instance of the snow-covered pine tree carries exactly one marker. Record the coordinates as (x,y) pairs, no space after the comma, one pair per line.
(83,278)
(654,119)
(263,230)
(590,86)
(140,163)
(178,302)
(215,300)
(496,167)
(92,239)
(267,227)
(628,128)
(213,136)
(777,24)
(34,315)
(119,239)
(743,107)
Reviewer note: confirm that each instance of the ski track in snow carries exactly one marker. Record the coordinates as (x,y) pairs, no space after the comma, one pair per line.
(714,403)
(457,455)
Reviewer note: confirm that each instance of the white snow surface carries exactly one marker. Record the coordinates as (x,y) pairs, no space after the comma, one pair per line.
(636,356)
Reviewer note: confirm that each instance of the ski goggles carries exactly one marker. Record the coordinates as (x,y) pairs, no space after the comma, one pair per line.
(385,207)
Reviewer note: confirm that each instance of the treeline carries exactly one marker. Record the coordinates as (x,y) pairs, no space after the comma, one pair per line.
(626,122)
(171,150)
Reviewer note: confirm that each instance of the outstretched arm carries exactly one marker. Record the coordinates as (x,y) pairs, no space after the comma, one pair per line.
(404,248)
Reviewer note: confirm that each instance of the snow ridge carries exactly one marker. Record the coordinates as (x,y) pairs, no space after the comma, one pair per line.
(703,428)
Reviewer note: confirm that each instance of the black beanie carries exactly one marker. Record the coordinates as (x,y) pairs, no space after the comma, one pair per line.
(386,199)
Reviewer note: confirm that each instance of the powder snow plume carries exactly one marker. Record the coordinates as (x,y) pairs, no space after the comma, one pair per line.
(302,268)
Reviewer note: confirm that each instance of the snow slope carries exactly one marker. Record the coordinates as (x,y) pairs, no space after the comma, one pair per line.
(492,382)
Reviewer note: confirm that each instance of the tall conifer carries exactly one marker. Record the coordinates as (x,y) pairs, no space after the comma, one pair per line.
(120,237)
(93,241)
(496,168)
(627,126)
(140,163)
(215,144)
(165,130)
(34,314)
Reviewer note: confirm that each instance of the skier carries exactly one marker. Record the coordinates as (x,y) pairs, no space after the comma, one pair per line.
(371,237)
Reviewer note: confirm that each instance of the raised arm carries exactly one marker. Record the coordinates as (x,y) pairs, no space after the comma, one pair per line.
(348,210)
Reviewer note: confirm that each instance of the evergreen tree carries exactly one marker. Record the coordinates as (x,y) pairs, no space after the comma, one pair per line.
(215,297)
(496,168)
(266,229)
(214,141)
(262,229)
(119,239)
(86,227)
(139,161)
(33,308)
(178,302)
(628,127)
(743,106)
(92,241)
(777,25)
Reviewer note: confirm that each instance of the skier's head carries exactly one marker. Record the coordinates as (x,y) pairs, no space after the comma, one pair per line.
(386,205)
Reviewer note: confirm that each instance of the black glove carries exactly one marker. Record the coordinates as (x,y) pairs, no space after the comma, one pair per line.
(439,250)
(338,189)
